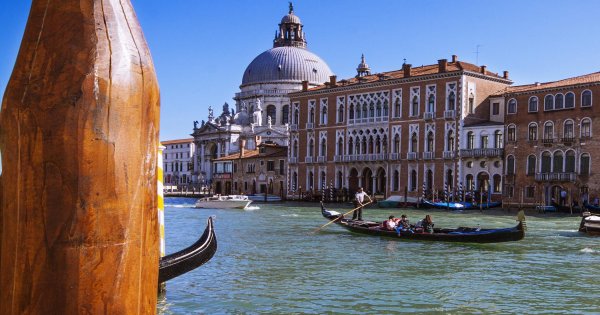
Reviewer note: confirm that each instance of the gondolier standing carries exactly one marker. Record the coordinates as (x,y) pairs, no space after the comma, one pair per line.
(359,199)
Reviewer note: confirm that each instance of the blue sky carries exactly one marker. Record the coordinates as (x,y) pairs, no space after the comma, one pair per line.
(201,48)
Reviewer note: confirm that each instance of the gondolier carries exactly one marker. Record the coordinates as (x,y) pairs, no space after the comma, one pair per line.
(359,199)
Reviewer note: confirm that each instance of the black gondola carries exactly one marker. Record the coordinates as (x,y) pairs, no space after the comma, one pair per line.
(590,223)
(190,258)
(461,234)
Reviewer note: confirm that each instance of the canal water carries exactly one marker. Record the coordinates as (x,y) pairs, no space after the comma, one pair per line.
(269,261)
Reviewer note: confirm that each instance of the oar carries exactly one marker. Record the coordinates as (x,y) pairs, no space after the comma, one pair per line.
(328,223)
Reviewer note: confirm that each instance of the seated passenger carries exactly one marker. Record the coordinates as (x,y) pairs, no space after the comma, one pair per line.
(427,224)
(390,223)
(403,222)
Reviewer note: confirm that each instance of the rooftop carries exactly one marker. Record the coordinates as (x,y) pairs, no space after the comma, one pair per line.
(177,141)
(582,79)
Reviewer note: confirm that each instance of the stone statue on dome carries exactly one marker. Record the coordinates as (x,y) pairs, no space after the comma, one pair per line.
(210,114)
(269,121)
(257,115)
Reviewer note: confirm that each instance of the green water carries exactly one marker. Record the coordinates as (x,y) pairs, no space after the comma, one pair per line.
(269,261)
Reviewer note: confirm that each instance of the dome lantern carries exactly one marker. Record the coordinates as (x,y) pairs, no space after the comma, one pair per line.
(290,31)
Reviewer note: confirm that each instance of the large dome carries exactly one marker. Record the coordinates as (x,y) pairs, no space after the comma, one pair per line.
(287,64)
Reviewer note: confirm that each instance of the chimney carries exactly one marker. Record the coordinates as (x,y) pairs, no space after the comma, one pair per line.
(505,74)
(333,80)
(454,58)
(304,85)
(483,69)
(406,68)
(242,147)
(442,65)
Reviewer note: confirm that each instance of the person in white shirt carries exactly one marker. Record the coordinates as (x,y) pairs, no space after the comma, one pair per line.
(390,223)
(359,201)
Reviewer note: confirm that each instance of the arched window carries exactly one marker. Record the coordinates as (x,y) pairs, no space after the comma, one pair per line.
(311,117)
(323,180)
(413,142)
(364,111)
(470,140)
(285,114)
(340,179)
(549,102)
(371,147)
(570,100)
(323,147)
(511,133)
(295,149)
(351,111)
(396,180)
(450,141)
(559,101)
(384,144)
(429,180)
(357,146)
(557,162)
(341,113)
(570,161)
(431,104)
(484,141)
(512,106)
(549,131)
(498,141)
(350,146)
(385,109)
(296,116)
(569,130)
(533,104)
(531,164)
(323,115)
(584,164)
(294,181)
(449,179)
(371,110)
(311,147)
(397,143)
(397,108)
(378,109)
(272,112)
(470,182)
(414,108)
(586,98)
(451,101)
(364,145)
(471,104)
(510,165)
(586,128)
(533,133)
(340,146)
(497,183)
(546,162)
(413,180)
(311,180)
(358,112)
(429,142)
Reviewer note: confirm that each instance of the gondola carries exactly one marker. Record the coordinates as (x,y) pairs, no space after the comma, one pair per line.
(592,207)
(461,234)
(590,223)
(458,205)
(190,258)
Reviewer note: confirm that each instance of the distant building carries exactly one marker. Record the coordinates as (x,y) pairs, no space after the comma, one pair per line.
(262,170)
(262,110)
(177,160)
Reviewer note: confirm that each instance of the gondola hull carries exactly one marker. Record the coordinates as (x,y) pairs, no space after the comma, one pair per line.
(458,205)
(465,235)
(190,258)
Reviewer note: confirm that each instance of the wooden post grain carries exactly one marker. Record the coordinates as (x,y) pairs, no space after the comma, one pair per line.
(79,135)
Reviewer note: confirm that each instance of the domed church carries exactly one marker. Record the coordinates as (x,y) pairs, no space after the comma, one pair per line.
(263,113)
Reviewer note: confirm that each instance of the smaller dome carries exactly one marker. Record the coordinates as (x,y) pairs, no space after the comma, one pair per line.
(290,18)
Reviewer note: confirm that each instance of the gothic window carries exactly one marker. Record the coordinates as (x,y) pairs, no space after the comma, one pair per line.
(498,141)
(497,183)
(385,110)
(559,101)
(510,165)
(294,181)
(533,104)
(371,148)
(450,141)
(569,130)
(341,113)
(532,135)
(548,130)
(449,179)
(340,146)
(323,180)
(414,110)
(396,180)
(557,162)
(584,164)
(364,111)
(586,98)
(413,180)
(512,106)
(549,102)
(296,116)
(570,161)
(546,162)
(570,100)
(470,140)
(531,161)
(413,142)
(358,115)
(378,145)
(311,180)
(586,128)
(371,110)
(350,146)
(429,142)
(397,108)
(351,112)
(397,143)
(385,144)
(451,101)
(324,115)
(357,146)
(364,145)
(295,149)
(285,114)
(311,117)
(272,112)
(323,147)
(311,147)
(340,179)
(431,104)
(378,110)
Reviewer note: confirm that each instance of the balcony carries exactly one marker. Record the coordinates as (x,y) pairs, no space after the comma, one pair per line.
(555,177)
(294,127)
(308,159)
(321,159)
(478,153)
(293,160)
(412,155)
(428,155)
(310,126)
(394,156)
(567,140)
(448,155)
(450,114)
(547,141)
(338,158)
(428,115)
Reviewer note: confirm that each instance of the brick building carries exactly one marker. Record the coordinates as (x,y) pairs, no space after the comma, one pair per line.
(261,170)
(178,161)
(392,131)
(549,140)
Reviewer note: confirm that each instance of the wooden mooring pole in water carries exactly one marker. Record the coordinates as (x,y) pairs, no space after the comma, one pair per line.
(79,135)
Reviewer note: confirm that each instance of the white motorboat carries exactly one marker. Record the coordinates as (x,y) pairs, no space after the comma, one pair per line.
(224,202)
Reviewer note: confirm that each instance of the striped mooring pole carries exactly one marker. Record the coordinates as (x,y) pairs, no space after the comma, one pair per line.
(161,207)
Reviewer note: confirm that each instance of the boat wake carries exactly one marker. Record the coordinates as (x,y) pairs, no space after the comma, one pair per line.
(180,206)
(589,250)
(289,215)
(252,208)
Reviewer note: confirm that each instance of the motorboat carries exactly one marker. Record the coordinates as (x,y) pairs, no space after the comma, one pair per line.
(590,223)
(224,202)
